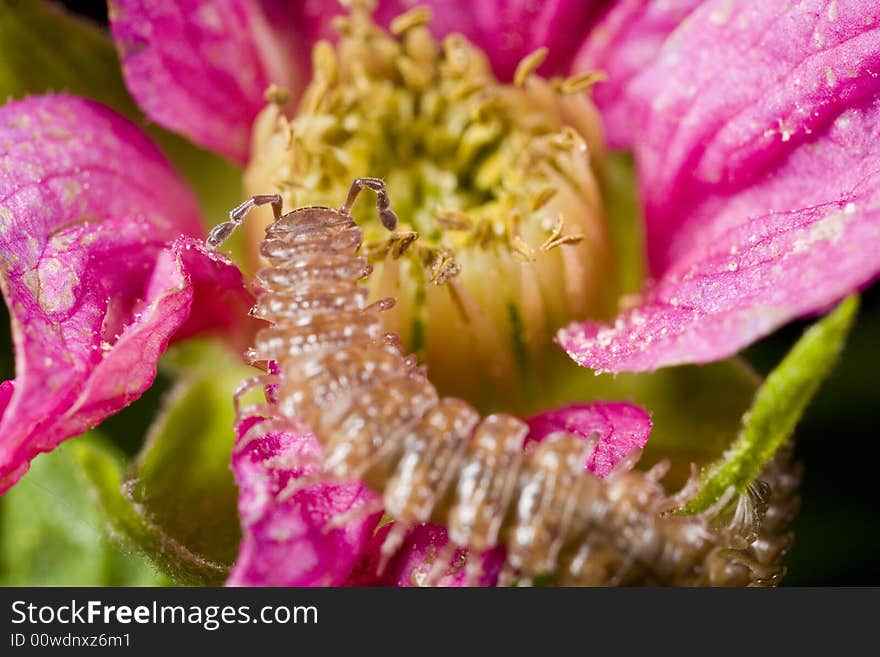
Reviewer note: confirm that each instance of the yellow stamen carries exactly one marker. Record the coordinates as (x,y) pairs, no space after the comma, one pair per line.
(277,95)
(415,17)
(453,219)
(529,64)
(579,83)
(477,171)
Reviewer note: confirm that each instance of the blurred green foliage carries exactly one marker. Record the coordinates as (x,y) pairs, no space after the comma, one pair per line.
(53,534)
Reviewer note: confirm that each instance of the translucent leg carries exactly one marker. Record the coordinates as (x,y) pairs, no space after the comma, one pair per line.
(622,571)
(261,430)
(508,576)
(221,232)
(355,513)
(441,564)
(391,545)
(473,569)
(245,387)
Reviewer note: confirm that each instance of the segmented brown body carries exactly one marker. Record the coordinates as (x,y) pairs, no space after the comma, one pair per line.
(379,419)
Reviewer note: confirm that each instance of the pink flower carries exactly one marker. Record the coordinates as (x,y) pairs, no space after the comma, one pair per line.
(755,130)
(100,270)
(754,126)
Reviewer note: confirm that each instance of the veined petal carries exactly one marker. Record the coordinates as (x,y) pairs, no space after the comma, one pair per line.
(201,67)
(509,30)
(621,430)
(760,166)
(737,92)
(87,206)
(286,537)
(625,40)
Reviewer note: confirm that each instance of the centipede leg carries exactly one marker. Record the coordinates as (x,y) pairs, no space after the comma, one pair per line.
(473,569)
(221,232)
(440,566)
(508,576)
(628,562)
(354,513)
(245,387)
(391,545)
(262,429)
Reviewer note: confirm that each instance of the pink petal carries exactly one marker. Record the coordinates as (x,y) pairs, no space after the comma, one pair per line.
(86,206)
(201,67)
(735,93)
(507,30)
(415,560)
(760,166)
(622,430)
(286,538)
(623,42)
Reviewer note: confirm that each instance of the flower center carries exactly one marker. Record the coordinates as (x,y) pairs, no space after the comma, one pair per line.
(502,237)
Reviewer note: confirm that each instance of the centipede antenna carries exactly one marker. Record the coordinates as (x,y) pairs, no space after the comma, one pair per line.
(383,203)
(221,232)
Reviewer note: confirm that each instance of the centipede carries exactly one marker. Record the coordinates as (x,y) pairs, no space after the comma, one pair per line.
(328,364)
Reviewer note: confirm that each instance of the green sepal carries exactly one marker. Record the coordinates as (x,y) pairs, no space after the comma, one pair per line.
(53,534)
(182,481)
(778,406)
(127,521)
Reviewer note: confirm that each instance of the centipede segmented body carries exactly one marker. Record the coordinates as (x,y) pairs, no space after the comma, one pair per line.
(432,459)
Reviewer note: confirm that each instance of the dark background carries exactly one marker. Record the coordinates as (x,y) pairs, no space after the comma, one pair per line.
(837,536)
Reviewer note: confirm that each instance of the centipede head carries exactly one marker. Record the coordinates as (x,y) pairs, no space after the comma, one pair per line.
(301,218)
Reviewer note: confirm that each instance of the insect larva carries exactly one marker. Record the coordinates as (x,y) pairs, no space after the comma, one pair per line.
(379,419)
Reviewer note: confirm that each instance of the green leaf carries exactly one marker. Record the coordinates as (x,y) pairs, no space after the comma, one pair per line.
(777,408)
(126,520)
(52,534)
(44,48)
(181,481)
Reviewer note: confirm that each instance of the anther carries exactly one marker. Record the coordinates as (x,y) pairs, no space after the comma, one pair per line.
(528,65)
(277,95)
(415,17)
(579,83)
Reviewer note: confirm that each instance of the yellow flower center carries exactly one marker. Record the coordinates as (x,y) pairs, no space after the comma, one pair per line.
(502,237)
